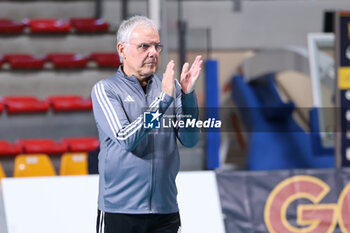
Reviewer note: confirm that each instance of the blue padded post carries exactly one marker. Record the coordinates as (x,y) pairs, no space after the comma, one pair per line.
(212,111)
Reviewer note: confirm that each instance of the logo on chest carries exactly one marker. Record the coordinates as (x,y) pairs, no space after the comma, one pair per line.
(129,99)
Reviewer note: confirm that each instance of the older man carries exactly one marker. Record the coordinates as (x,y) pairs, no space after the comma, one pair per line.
(138,162)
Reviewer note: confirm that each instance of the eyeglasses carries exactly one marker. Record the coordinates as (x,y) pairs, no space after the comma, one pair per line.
(144,47)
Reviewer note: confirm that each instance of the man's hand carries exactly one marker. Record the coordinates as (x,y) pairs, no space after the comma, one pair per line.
(189,77)
(168,82)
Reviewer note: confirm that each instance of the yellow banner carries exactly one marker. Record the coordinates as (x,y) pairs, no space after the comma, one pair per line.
(344,78)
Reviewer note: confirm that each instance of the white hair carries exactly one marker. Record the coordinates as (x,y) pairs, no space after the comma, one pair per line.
(128,26)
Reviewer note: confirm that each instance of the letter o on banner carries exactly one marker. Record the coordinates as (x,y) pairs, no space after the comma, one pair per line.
(344,210)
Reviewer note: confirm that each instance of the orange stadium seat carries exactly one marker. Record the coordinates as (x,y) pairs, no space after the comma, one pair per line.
(63,103)
(74,164)
(67,60)
(8,26)
(33,165)
(47,25)
(106,59)
(23,61)
(2,172)
(7,148)
(89,25)
(42,145)
(25,104)
(81,144)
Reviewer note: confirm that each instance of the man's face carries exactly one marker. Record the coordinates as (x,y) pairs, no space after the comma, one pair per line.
(139,58)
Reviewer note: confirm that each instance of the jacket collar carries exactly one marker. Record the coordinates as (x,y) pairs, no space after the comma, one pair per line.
(132,78)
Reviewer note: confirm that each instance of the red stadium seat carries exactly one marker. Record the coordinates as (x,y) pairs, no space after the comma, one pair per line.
(25,104)
(89,25)
(47,146)
(67,60)
(7,148)
(81,144)
(7,26)
(2,106)
(106,59)
(23,61)
(62,103)
(48,25)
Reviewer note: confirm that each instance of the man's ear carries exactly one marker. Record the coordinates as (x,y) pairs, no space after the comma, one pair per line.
(121,50)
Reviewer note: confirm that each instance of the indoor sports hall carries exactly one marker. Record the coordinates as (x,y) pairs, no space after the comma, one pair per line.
(273,96)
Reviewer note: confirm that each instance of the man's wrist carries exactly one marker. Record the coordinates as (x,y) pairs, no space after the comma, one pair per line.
(167,97)
(189,93)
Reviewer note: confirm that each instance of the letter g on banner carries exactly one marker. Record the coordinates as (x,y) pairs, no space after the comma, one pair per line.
(315,218)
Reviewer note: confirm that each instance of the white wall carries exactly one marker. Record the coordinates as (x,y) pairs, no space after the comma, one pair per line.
(69,204)
(260,23)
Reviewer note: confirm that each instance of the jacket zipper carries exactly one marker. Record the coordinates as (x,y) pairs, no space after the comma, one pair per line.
(152,165)
(150,198)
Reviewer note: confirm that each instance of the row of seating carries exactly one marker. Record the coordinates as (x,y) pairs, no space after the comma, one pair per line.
(32,104)
(29,165)
(60,60)
(78,25)
(48,146)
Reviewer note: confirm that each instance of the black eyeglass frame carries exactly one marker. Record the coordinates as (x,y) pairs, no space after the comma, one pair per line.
(146,46)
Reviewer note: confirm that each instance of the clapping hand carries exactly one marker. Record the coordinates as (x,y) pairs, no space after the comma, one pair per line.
(189,77)
(168,82)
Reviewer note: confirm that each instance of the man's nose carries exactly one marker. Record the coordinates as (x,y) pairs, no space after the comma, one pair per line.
(152,51)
